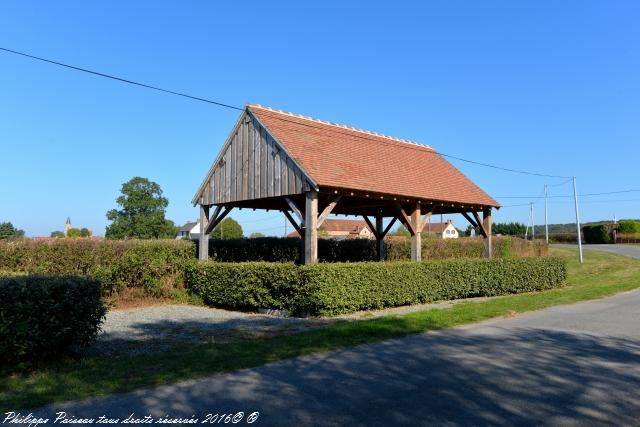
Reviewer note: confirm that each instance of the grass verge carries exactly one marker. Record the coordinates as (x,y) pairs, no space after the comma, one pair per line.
(602,275)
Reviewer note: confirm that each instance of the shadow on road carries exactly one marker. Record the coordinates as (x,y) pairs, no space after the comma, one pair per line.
(488,376)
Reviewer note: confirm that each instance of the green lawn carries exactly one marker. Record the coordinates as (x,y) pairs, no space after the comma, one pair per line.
(602,274)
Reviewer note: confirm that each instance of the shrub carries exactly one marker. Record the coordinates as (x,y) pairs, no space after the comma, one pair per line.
(471,247)
(41,316)
(154,265)
(271,249)
(597,233)
(245,285)
(563,237)
(333,288)
(275,249)
(629,227)
(342,288)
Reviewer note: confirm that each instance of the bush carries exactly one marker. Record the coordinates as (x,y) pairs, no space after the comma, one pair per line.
(333,288)
(598,233)
(153,265)
(287,249)
(245,285)
(629,227)
(563,238)
(336,288)
(41,317)
(271,249)
(275,249)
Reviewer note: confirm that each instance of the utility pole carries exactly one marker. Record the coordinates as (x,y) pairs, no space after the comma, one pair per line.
(533,225)
(546,222)
(575,200)
(285,227)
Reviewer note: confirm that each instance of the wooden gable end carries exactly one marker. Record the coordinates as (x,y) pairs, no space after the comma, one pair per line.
(251,165)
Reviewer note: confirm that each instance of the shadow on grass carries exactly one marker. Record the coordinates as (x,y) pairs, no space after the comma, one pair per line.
(489,376)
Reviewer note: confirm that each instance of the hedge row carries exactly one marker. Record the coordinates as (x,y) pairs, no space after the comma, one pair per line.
(334,288)
(629,227)
(41,317)
(274,249)
(156,266)
(598,233)
(287,249)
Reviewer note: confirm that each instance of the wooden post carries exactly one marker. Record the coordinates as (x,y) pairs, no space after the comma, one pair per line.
(203,241)
(486,225)
(416,240)
(311,228)
(380,237)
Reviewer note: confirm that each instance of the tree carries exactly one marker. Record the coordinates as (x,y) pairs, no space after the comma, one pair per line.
(73,232)
(7,230)
(142,213)
(401,230)
(57,234)
(85,232)
(467,231)
(256,235)
(509,229)
(227,229)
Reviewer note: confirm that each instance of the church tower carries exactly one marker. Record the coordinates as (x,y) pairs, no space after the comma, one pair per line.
(67,226)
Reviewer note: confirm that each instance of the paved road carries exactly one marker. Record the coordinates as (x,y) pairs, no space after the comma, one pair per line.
(632,251)
(569,365)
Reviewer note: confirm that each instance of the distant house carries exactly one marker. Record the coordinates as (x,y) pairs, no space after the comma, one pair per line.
(190,230)
(443,230)
(342,229)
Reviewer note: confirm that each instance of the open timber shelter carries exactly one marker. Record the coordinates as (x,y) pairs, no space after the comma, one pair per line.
(308,169)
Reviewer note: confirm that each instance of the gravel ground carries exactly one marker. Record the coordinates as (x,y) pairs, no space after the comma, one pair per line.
(151,329)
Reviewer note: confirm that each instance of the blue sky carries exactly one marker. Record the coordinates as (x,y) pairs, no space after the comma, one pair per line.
(546,86)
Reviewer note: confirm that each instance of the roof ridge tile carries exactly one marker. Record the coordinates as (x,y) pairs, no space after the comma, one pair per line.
(343,126)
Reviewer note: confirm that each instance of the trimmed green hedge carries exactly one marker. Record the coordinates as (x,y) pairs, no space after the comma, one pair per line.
(287,249)
(154,265)
(244,285)
(629,227)
(334,288)
(275,249)
(41,317)
(598,233)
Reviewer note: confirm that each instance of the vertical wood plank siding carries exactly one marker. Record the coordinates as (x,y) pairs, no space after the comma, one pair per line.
(252,166)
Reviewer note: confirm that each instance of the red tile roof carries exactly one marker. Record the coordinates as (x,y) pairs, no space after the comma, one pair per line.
(344,225)
(352,226)
(343,157)
(436,227)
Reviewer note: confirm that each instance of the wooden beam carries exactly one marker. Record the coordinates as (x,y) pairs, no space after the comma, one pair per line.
(483,231)
(486,225)
(373,228)
(416,238)
(218,218)
(426,218)
(379,236)
(404,219)
(386,230)
(471,220)
(203,241)
(325,213)
(293,222)
(311,227)
(295,209)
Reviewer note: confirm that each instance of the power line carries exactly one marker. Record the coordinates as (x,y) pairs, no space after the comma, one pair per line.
(221,104)
(356,135)
(120,79)
(513,206)
(599,201)
(570,195)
